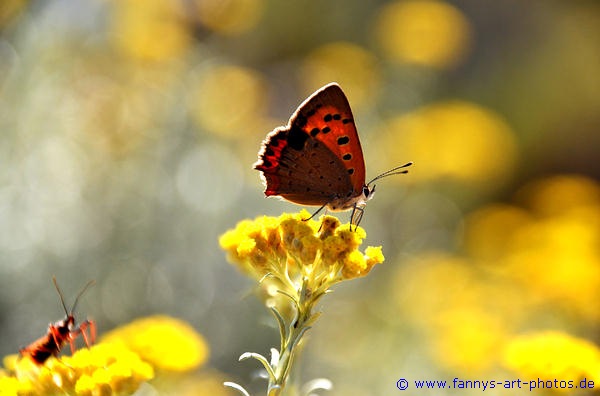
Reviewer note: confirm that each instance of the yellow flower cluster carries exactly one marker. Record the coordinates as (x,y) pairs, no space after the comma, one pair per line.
(296,260)
(164,342)
(104,369)
(289,248)
(124,359)
(548,245)
(522,263)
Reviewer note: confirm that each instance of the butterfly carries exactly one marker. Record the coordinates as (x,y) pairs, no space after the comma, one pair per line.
(317,160)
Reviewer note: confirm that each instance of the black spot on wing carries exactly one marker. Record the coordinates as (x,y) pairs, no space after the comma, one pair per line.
(296,138)
(343,140)
(300,120)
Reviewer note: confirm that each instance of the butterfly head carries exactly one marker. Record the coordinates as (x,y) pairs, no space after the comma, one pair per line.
(359,200)
(353,201)
(358,204)
(368,192)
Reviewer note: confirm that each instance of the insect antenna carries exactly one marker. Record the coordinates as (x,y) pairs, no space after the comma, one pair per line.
(394,171)
(90,283)
(62,299)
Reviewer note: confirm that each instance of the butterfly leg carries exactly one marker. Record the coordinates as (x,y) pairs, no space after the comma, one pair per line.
(356,216)
(317,212)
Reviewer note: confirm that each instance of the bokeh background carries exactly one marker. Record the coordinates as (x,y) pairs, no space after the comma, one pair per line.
(128,129)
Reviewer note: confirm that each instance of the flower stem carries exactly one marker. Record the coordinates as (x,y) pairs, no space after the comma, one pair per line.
(289,345)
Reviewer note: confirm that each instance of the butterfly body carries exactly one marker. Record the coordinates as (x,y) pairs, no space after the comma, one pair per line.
(317,159)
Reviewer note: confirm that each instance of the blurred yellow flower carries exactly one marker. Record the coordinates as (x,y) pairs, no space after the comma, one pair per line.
(164,342)
(560,194)
(8,10)
(150,29)
(12,386)
(489,232)
(229,17)
(455,139)
(557,260)
(426,32)
(553,354)
(350,65)
(228,100)
(467,337)
(464,315)
(103,369)
(521,263)
(549,248)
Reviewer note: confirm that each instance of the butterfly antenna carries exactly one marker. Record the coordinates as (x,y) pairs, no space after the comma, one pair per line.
(90,283)
(62,299)
(395,171)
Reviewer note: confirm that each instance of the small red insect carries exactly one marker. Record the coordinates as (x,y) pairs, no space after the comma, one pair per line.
(61,332)
(316,159)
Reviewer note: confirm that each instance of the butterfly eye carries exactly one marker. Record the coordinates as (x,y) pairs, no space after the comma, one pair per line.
(369,191)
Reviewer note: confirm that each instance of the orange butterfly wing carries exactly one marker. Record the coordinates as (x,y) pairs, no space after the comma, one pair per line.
(326,116)
(317,158)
